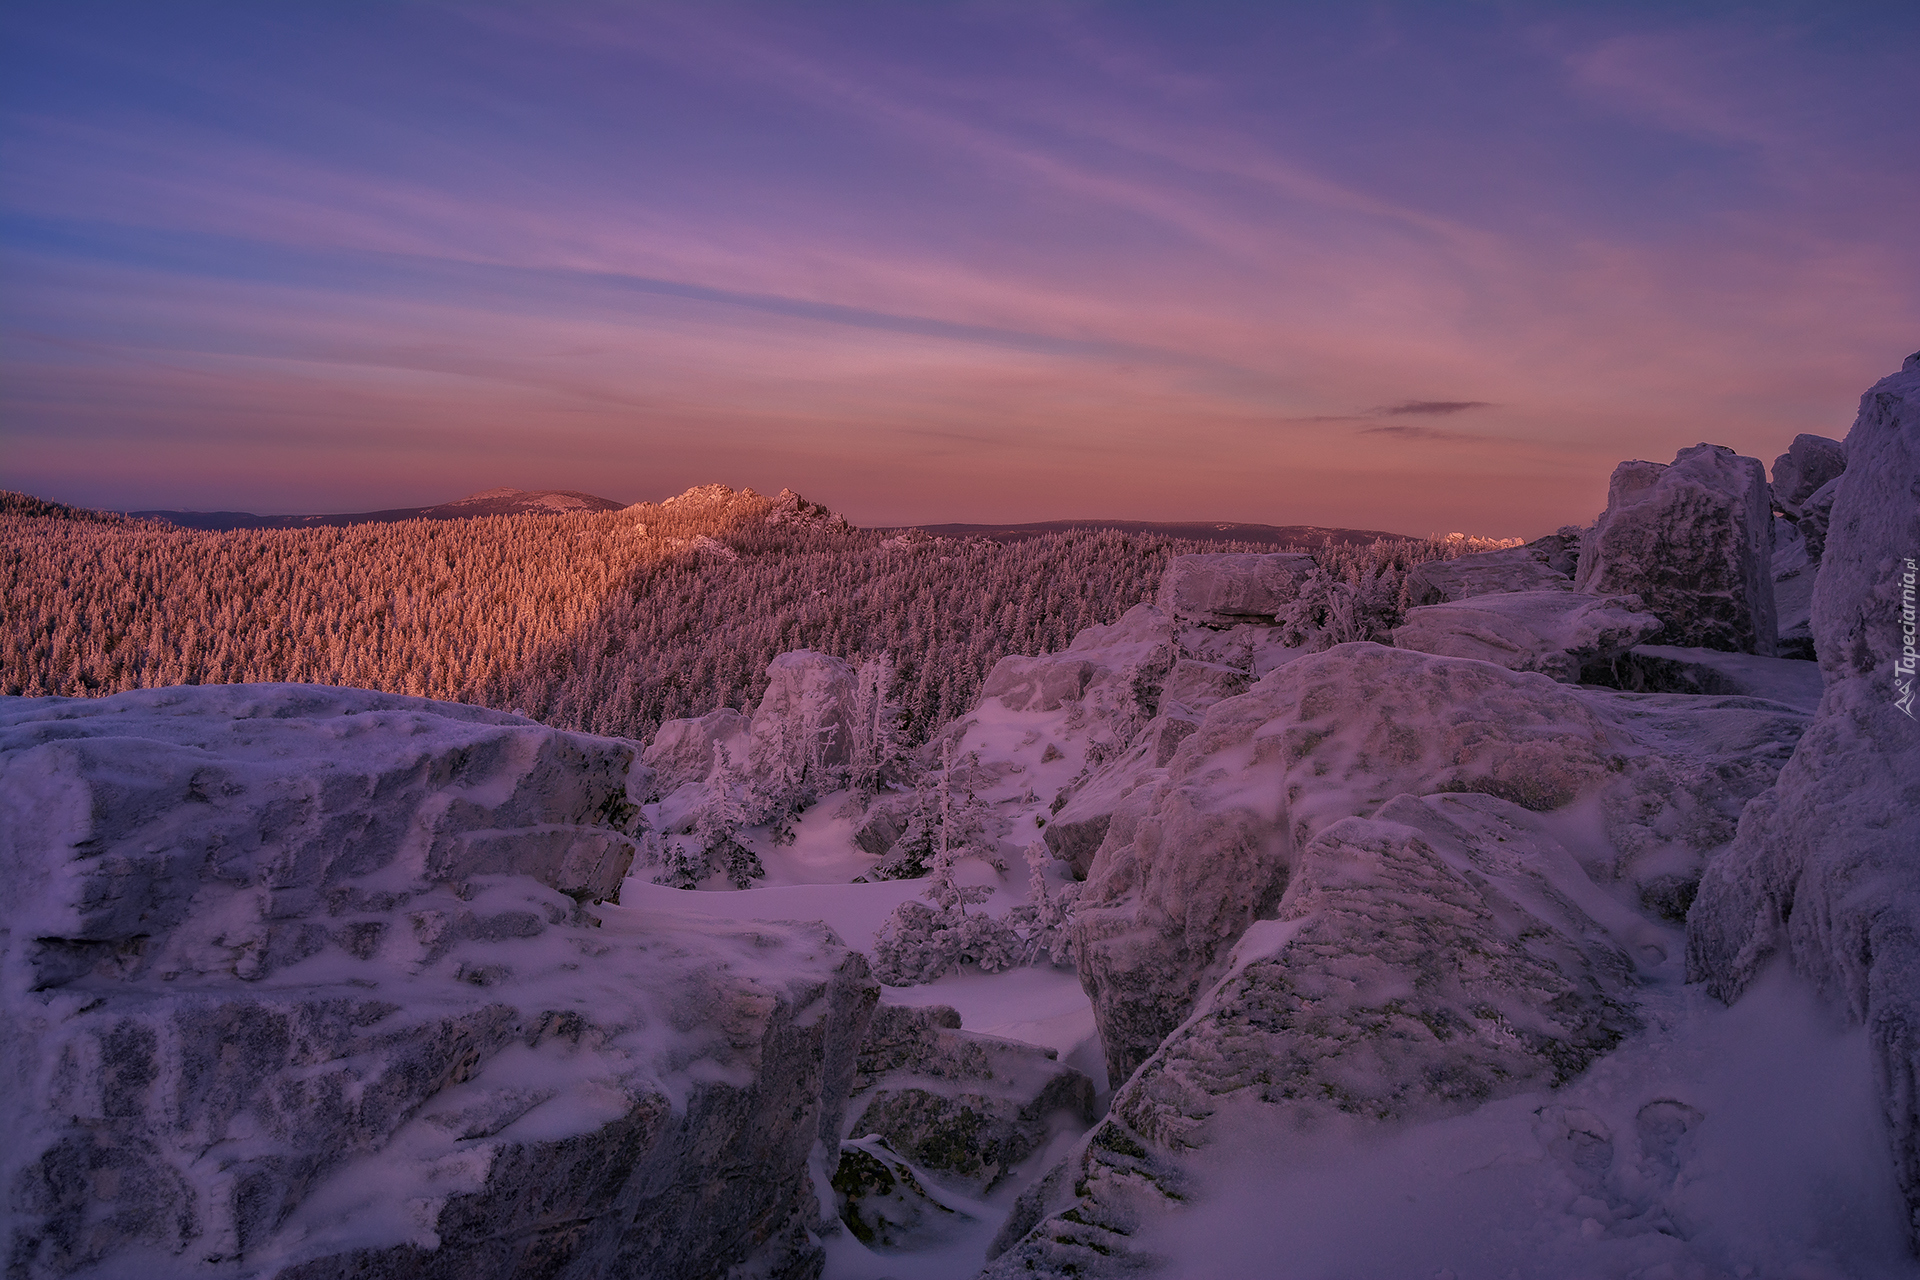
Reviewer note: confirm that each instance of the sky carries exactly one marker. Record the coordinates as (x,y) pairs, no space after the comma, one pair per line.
(1420,268)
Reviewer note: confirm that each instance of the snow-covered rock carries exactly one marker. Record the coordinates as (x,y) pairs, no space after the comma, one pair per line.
(1554,631)
(1659,668)
(1823,867)
(795,512)
(1045,683)
(1189,862)
(1694,540)
(1527,568)
(807,710)
(300,982)
(1809,462)
(1223,590)
(965,1105)
(1815,515)
(1424,962)
(804,718)
(1196,851)
(682,750)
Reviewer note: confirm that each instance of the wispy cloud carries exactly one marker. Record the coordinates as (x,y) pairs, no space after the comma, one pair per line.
(1432,408)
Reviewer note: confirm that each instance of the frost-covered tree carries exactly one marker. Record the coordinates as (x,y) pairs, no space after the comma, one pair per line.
(877,752)
(1044,921)
(715,844)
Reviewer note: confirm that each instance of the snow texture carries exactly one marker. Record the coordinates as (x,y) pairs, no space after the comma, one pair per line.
(301,982)
(1823,867)
(1694,540)
(1553,631)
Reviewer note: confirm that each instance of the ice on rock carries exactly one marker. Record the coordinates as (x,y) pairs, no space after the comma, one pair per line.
(1224,590)
(1823,867)
(1692,539)
(1555,631)
(300,982)
(1424,962)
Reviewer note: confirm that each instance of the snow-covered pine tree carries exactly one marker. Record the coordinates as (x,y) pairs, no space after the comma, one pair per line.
(723,811)
(1044,920)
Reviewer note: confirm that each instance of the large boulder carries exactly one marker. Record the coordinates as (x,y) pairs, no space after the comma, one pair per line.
(1225,590)
(1441,955)
(1694,540)
(805,718)
(682,750)
(303,984)
(1809,462)
(1045,683)
(1194,852)
(1555,631)
(1188,862)
(1823,867)
(1528,568)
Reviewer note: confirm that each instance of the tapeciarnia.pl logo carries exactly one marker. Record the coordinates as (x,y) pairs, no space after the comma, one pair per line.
(1904,664)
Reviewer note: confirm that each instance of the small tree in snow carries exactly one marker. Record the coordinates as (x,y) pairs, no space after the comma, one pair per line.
(876,749)
(715,845)
(1044,920)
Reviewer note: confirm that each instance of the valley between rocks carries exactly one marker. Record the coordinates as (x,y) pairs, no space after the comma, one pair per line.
(1572,933)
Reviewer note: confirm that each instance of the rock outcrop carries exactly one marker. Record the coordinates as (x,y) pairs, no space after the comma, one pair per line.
(301,983)
(682,750)
(965,1105)
(1195,852)
(1225,590)
(803,725)
(1694,541)
(1188,863)
(1529,568)
(1809,462)
(1823,867)
(1423,962)
(1556,631)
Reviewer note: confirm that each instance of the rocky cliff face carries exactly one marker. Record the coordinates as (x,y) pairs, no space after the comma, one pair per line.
(1823,867)
(304,982)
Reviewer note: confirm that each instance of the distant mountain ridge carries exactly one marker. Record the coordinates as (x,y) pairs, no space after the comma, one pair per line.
(491,502)
(1273,535)
(515,502)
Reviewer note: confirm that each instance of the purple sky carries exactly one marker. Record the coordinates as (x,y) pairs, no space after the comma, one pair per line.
(1419,268)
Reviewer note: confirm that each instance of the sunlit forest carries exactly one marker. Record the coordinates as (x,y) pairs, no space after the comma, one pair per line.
(608,622)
